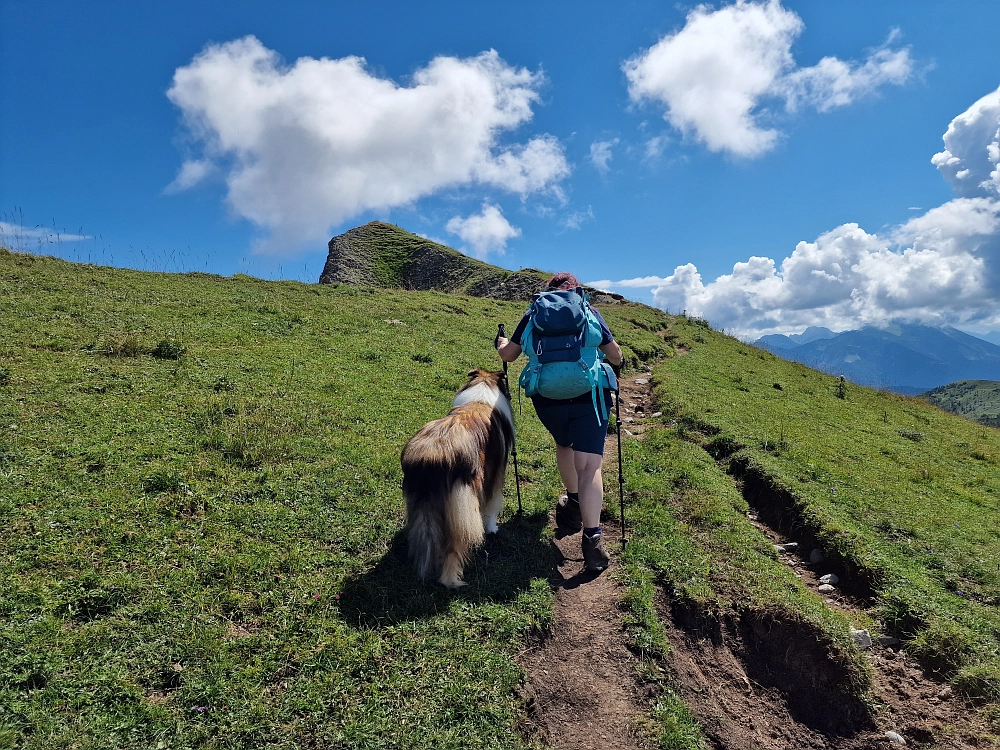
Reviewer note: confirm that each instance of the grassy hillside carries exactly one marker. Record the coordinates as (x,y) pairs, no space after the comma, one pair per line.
(905,497)
(204,551)
(200,517)
(978,400)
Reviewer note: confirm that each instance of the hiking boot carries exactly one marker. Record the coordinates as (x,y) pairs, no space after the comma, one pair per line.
(568,515)
(595,557)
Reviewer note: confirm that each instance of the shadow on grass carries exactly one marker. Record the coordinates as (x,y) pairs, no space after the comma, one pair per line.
(391,593)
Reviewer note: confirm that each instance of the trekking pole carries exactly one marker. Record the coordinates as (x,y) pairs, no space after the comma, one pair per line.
(501,331)
(621,474)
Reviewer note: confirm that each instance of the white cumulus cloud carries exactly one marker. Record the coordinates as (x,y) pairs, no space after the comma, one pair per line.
(716,75)
(941,267)
(601,156)
(971,157)
(306,146)
(485,232)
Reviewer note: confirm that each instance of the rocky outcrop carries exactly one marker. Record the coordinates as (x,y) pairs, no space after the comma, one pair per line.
(384,255)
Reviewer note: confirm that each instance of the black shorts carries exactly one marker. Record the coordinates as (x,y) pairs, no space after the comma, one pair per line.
(574,423)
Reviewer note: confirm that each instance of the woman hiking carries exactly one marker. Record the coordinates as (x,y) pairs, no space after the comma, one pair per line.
(579,422)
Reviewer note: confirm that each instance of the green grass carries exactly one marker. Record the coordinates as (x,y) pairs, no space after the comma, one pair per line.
(905,496)
(204,549)
(978,400)
(200,515)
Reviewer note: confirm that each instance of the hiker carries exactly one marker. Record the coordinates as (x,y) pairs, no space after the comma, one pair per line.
(578,423)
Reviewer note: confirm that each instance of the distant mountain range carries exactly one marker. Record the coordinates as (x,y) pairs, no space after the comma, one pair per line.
(905,358)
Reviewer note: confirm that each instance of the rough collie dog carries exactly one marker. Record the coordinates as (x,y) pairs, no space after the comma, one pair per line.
(453,476)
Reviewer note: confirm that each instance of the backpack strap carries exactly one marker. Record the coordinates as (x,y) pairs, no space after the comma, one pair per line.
(533,370)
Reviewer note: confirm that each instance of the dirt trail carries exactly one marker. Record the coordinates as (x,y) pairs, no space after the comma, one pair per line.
(584,690)
(583,686)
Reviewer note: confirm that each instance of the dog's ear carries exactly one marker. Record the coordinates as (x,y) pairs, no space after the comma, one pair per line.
(473,374)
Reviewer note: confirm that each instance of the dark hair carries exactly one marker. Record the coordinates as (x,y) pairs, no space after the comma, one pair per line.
(563,280)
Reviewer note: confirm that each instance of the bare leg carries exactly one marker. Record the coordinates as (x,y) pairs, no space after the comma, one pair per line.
(591,487)
(567,467)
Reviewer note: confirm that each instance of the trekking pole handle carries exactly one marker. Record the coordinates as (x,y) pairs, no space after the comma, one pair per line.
(501,333)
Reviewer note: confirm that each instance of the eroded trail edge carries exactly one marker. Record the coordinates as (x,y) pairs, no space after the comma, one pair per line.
(752,682)
(583,686)
(756,682)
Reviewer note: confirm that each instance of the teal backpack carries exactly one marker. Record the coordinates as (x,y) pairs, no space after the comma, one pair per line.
(561,340)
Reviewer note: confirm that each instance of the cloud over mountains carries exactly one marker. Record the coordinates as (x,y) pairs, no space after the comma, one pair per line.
(304,147)
(717,74)
(940,267)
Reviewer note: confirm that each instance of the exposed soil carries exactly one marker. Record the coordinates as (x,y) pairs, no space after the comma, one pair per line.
(582,682)
(583,686)
(915,705)
(754,683)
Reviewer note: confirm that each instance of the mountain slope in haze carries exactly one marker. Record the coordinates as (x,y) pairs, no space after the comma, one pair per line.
(905,358)
(992,336)
(978,400)
(775,341)
(384,255)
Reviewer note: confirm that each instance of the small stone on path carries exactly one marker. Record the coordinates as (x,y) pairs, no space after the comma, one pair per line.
(862,637)
(831,578)
(657,414)
(894,738)
(826,588)
(642,381)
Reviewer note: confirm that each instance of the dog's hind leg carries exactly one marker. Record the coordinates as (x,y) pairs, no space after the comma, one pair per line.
(465,531)
(491,511)
(491,505)
(451,574)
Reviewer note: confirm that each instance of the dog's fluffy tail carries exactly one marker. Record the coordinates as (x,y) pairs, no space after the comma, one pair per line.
(426,540)
(443,517)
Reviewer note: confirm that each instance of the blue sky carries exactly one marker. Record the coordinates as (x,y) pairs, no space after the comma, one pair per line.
(619,141)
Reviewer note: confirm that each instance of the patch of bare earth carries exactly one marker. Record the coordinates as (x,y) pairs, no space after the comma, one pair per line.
(754,682)
(583,687)
(748,710)
(760,682)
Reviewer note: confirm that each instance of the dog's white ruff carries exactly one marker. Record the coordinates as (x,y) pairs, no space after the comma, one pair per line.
(482,393)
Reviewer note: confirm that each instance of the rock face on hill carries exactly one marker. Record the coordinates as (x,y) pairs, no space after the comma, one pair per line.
(384,255)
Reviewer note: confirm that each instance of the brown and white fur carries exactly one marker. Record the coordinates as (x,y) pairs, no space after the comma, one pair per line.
(453,477)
